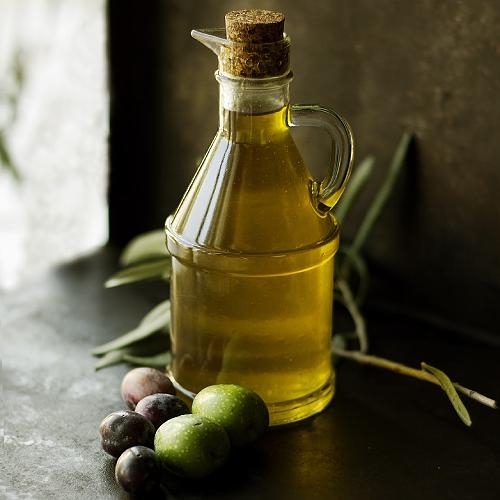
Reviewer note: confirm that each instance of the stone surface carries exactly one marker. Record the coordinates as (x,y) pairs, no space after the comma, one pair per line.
(53,400)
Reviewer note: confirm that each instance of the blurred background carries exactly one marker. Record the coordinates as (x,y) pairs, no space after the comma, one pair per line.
(54,123)
(106,108)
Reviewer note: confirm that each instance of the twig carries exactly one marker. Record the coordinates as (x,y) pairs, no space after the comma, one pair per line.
(357,317)
(480,398)
(358,264)
(402,369)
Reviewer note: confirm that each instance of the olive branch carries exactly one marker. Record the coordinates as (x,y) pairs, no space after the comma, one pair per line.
(146,258)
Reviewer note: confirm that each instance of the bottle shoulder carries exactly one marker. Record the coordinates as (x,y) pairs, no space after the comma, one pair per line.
(251,197)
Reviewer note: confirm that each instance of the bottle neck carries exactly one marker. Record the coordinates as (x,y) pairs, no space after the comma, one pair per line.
(242,101)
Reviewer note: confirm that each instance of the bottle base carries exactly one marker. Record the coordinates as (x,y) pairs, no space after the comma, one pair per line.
(284,412)
(289,412)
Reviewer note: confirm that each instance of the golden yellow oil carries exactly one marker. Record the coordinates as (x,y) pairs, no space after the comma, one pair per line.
(252,277)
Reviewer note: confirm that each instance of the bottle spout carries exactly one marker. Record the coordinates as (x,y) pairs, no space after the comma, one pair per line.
(214,39)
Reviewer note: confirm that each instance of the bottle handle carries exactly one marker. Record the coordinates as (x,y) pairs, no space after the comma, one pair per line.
(326,193)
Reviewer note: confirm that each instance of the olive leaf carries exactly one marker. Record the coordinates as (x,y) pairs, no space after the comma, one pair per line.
(349,258)
(450,391)
(372,214)
(156,269)
(383,193)
(160,360)
(159,320)
(160,312)
(144,349)
(110,358)
(146,246)
(357,182)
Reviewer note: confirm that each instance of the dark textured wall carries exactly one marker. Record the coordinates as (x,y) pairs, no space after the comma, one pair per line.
(430,67)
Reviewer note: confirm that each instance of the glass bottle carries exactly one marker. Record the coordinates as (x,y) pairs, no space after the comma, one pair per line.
(253,239)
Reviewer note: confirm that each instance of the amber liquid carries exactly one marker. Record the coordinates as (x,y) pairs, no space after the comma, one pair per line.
(252,278)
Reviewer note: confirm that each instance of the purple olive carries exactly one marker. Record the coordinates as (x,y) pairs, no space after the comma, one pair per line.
(141,382)
(159,408)
(138,470)
(123,429)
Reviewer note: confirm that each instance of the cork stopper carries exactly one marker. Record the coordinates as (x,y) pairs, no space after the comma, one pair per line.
(254,26)
(257,48)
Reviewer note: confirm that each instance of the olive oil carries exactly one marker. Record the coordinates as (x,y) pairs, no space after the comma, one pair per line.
(252,276)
